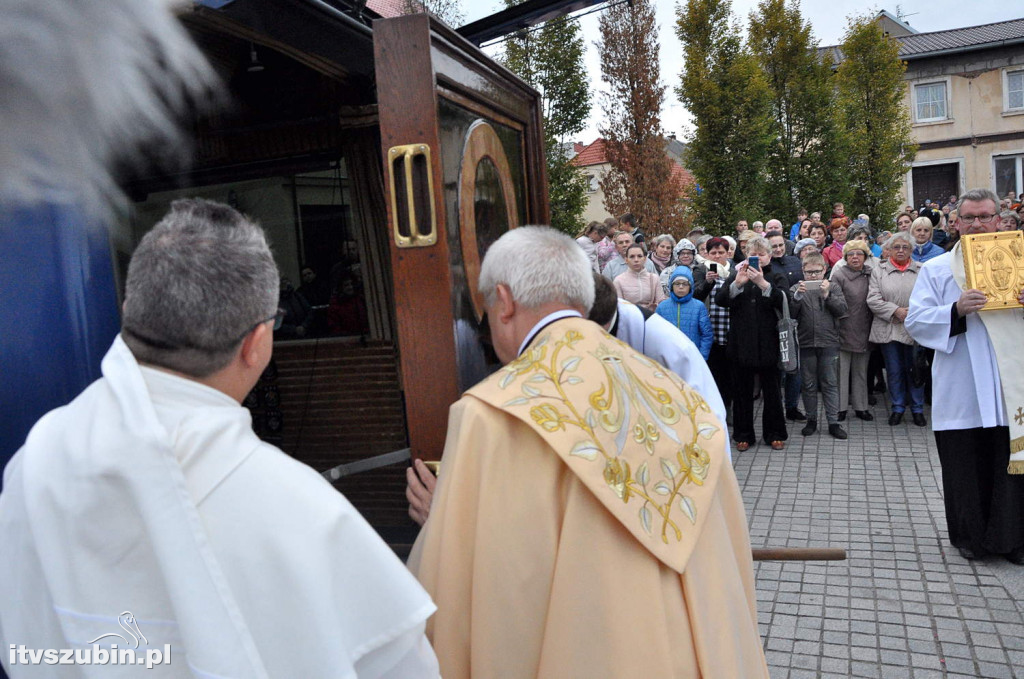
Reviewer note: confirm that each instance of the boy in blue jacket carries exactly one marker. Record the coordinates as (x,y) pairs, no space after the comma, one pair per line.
(686,313)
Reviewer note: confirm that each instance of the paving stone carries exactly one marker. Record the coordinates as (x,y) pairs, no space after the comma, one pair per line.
(904,603)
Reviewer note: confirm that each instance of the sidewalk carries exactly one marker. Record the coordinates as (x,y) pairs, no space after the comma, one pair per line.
(904,603)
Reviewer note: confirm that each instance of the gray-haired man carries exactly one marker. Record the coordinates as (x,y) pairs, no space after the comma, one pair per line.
(149,495)
(579,464)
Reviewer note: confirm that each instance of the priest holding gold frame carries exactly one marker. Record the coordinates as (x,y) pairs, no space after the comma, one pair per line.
(587,521)
(978,400)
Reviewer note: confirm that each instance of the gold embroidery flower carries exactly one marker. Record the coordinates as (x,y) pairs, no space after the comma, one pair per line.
(548,417)
(616,475)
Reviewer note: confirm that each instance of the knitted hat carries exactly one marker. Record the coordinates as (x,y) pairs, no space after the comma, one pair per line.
(802,243)
(856,246)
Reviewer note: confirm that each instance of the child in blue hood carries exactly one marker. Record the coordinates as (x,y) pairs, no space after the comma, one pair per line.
(686,313)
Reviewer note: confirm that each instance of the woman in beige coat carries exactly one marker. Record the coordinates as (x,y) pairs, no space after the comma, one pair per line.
(892,281)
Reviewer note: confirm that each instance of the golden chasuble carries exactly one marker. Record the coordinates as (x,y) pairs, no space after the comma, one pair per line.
(641,440)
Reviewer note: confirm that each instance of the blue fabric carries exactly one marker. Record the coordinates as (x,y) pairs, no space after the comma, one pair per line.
(898,359)
(59,313)
(876,250)
(687,314)
(794,231)
(922,253)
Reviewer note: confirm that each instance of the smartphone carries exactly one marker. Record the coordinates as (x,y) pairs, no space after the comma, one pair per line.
(812,285)
(754,262)
(713,267)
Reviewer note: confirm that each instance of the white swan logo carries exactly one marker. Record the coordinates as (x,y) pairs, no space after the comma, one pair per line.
(127,622)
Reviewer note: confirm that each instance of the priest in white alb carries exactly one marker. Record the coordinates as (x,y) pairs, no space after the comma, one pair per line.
(978,394)
(587,522)
(149,499)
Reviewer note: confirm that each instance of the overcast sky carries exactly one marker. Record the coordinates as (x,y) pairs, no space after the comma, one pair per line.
(828,21)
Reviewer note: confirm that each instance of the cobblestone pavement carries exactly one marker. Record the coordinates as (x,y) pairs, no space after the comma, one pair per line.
(904,603)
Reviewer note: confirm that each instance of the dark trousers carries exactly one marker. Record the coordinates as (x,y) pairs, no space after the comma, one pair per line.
(721,370)
(792,385)
(984,504)
(773,420)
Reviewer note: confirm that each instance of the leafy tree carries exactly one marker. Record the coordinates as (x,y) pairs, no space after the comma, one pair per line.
(804,167)
(878,147)
(551,60)
(724,89)
(448,11)
(641,176)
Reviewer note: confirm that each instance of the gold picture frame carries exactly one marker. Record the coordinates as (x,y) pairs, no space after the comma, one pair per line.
(994,264)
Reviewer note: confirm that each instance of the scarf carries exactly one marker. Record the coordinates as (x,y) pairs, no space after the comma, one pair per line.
(1005,327)
(901,267)
(659,262)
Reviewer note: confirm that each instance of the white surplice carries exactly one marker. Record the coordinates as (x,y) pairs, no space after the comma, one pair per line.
(967,392)
(150,494)
(658,339)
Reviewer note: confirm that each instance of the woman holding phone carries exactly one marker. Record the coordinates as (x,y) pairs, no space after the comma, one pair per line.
(752,294)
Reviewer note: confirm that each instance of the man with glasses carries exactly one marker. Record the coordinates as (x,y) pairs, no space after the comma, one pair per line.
(978,399)
(150,493)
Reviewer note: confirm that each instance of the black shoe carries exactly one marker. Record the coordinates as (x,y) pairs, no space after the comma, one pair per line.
(837,432)
(895,419)
(968,553)
(863,415)
(918,419)
(795,415)
(842,416)
(872,401)
(1016,556)
(809,428)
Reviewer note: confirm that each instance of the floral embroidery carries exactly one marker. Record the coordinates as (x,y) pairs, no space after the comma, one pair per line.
(634,412)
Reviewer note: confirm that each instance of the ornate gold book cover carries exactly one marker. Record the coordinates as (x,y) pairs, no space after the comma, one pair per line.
(994,264)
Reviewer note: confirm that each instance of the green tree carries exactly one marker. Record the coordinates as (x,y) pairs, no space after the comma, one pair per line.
(725,91)
(640,179)
(448,11)
(551,60)
(877,145)
(803,167)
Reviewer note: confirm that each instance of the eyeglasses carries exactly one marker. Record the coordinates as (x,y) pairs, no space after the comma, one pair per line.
(987,219)
(814,272)
(899,247)
(278,319)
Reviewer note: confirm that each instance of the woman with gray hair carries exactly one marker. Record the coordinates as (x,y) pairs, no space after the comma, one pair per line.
(889,290)
(661,252)
(1009,220)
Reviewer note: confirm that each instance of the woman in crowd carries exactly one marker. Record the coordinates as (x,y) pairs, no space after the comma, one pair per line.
(685,254)
(732,246)
(588,240)
(636,284)
(834,252)
(753,295)
(924,248)
(853,280)
(661,251)
(702,248)
(888,296)
(1008,220)
(686,313)
(818,233)
(705,287)
(903,221)
(606,246)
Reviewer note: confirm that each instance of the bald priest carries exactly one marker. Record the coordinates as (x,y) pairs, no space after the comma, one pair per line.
(586,521)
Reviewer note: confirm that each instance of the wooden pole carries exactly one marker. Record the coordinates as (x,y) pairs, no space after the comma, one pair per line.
(799,554)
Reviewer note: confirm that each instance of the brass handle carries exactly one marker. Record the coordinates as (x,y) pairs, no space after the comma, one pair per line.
(411,184)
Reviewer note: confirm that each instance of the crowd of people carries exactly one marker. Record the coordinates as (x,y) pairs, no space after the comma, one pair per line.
(846,281)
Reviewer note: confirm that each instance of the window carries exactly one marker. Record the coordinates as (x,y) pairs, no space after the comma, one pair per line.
(592,185)
(1008,175)
(1014,87)
(930,102)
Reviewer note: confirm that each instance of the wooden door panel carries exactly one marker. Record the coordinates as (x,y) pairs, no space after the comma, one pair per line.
(482,127)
